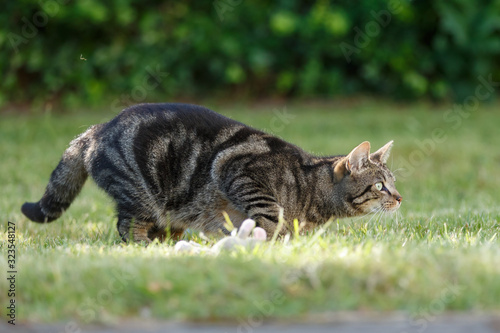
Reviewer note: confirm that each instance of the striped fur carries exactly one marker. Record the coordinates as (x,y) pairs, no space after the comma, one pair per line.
(178,166)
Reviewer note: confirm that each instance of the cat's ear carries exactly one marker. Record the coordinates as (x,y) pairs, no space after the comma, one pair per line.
(353,162)
(358,157)
(382,155)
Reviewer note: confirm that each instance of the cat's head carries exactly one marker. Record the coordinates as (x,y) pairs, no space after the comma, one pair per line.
(366,183)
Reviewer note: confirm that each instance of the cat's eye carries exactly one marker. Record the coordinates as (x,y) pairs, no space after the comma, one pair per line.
(379,186)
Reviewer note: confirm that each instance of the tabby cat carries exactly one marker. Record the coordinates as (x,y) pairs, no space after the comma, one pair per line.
(178,166)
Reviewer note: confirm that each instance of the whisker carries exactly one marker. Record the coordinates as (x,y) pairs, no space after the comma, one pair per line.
(382,214)
(396,170)
(376,213)
(362,216)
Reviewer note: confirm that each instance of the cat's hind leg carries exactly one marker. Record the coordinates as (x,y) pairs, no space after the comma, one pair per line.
(145,231)
(123,227)
(133,229)
(162,234)
(157,232)
(140,230)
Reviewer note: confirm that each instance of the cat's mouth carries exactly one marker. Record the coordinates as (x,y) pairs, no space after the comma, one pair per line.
(386,207)
(390,207)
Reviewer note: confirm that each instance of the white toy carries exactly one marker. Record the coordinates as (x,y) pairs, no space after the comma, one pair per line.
(240,238)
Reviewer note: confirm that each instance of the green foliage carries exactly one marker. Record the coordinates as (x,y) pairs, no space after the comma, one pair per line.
(399,48)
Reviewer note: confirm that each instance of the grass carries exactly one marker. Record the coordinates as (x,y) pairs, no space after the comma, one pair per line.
(440,253)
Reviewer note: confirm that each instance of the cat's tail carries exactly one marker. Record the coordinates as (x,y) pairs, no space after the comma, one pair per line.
(65,183)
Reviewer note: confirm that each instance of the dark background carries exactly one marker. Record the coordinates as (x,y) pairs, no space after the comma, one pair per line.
(73,54)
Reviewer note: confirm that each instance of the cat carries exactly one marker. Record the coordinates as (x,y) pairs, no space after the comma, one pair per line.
(175,166)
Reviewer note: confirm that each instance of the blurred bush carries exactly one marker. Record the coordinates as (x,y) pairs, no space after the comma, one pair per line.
(84,52)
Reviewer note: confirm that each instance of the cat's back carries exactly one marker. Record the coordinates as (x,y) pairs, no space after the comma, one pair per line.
(171,116)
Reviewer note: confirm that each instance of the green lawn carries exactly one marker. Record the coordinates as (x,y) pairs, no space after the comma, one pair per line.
(440,252)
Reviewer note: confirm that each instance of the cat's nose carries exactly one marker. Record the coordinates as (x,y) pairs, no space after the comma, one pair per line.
(398,198)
